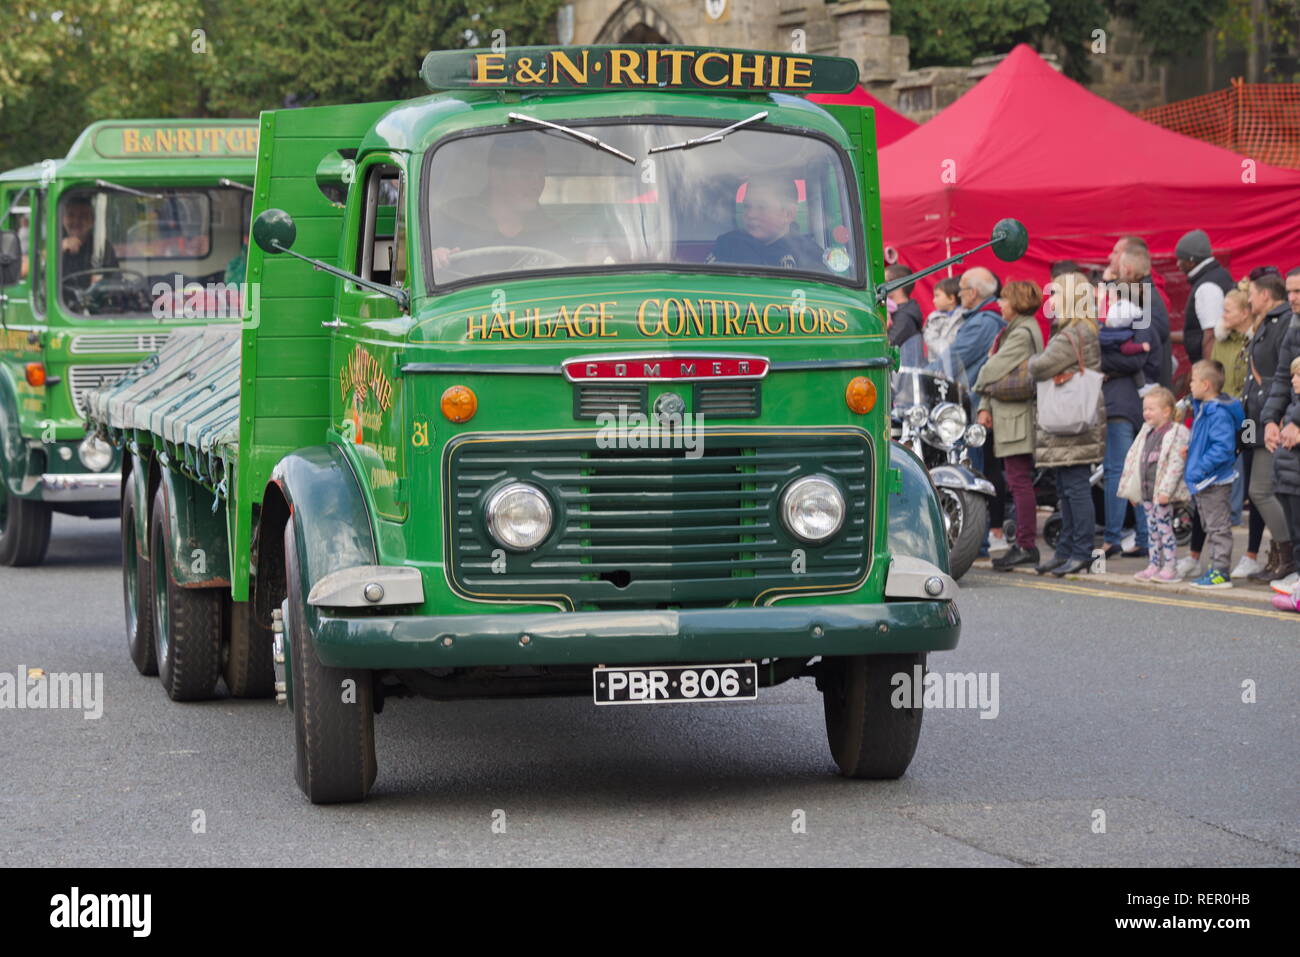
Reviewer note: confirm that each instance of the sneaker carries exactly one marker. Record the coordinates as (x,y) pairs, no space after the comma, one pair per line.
(1148,573)
(1283,586)
(1245,568)
(997,543)
(1188,567)
(1166,576)
(1212,579)
(1285,603)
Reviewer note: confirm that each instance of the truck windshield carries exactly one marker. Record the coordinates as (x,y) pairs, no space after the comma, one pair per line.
(158,252)
(757,200)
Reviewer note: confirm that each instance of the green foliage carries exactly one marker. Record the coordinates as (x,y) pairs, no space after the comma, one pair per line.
(1170,27)
(65,63)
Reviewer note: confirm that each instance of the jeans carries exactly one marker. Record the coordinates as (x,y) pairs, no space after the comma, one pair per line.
(1119,436)
(1078,519)
(1018,470)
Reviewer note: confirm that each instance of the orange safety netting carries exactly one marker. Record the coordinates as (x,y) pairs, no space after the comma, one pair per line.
(1259,120)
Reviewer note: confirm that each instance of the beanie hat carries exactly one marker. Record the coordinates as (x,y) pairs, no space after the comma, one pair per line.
(1194,245)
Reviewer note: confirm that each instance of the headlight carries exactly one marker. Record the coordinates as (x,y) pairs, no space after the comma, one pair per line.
(95,453)
(948,422)
(917,416)
(976,435)
(519,516)
(812,508)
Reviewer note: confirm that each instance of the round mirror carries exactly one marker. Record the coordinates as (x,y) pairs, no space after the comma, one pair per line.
(274,231)
(1010,239)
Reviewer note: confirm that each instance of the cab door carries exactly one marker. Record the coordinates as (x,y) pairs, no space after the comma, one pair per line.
(370,331)
(22,324)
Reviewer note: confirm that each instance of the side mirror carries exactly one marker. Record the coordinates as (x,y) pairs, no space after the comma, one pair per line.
(11,257)
(274,231)
(1010,239)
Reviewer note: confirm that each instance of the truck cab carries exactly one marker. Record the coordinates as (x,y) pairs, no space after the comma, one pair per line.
(570,377)
(140,230)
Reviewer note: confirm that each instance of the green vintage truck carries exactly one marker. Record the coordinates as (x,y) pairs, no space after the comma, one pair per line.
(102,255)
(570,377)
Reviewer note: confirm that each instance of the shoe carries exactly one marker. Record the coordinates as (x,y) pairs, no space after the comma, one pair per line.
(1270,569)
(1075,566)
(1042,568)
(1188,567)
(1016,556)
(1245,568)
(1283,586)
(1285,603)
(1113,550)
(1166,576)
(1136,553)
(1148,573)
(1213,579)
(997,543)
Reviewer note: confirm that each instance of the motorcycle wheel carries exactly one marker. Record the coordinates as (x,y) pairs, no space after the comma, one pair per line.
(965,517)
(1182,524)
(1052,530)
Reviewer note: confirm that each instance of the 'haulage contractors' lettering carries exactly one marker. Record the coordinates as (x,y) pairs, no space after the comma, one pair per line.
(657,68)
(668,318)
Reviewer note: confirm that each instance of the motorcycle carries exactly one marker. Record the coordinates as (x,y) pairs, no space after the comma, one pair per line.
(931,413)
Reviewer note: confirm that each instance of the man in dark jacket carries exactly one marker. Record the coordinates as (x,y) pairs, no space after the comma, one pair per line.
(905,321)
(1203,319)
(1272,346)
(1137,270)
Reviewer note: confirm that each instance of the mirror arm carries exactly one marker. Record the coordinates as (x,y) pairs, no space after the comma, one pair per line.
(885,288)
(400,296)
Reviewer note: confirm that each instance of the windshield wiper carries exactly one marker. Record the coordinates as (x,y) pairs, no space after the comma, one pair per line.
(576,134)
(712,137)
(105,184)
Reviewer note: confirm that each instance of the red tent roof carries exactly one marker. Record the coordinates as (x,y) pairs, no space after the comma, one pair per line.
(1079,172)
(890,125)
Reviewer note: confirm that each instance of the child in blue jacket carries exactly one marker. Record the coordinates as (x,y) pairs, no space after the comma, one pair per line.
(1212,467)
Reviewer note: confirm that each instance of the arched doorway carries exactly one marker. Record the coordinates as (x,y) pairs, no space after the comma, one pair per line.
(637,22)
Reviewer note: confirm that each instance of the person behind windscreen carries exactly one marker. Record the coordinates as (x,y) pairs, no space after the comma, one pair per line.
(1212,467)
(1071,457)
(767,234)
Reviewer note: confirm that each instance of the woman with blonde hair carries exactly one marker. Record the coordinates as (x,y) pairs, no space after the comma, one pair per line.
(1073,309)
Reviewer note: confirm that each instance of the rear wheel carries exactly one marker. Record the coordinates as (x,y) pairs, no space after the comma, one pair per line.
(24,530)
(868,736)
(186,621)
(333,708)
(137,594)
(246,665)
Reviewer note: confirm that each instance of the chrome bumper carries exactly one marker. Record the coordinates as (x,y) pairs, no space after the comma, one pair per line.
(81,487)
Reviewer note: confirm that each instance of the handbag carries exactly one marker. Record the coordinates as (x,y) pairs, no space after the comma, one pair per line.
(1068,402)
(1016,386)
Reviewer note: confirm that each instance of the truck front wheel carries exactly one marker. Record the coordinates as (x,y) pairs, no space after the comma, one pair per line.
(24,530)
(333,708)
(137,591)
(186,621)
(869,737)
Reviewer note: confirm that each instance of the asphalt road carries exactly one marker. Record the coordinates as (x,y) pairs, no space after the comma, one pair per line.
(1109,700)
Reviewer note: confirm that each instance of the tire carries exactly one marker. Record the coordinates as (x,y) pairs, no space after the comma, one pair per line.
(1182,524)
(868,736)
(965,516)
(186,622)
(24,530)
(246,661)
(1052,530)
(335,739)
(137,591)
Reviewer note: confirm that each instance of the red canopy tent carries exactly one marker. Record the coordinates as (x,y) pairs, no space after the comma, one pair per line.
(890,126)
(1079,172)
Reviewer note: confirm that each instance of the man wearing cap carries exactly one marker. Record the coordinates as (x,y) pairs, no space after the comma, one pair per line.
(1203,320)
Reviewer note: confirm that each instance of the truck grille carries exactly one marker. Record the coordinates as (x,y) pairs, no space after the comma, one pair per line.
(728,400)
(82,379)
(652,528)
(592,400)
(114,342)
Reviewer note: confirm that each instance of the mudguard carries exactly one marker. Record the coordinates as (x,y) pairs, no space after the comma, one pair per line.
(13,447)
(962,479)
(199,548)
(331,521)
(915,521)
(138,476)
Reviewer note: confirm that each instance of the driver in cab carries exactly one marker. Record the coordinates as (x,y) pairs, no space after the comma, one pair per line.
(767,236)
(508,211)
(78,259)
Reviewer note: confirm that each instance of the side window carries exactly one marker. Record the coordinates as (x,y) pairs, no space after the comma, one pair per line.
(381,252)
(14,206)
(36,249)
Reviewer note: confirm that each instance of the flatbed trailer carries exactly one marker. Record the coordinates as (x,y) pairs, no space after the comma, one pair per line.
(571,386)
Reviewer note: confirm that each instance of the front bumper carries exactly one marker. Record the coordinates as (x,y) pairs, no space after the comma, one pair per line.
(80,487)
(633,637)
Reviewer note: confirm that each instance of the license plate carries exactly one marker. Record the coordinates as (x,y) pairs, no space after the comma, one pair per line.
(675,684)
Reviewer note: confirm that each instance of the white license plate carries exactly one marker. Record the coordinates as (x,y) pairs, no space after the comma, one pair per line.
(675,684)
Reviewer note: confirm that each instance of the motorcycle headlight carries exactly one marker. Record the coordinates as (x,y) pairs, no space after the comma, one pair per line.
(95,453)
(976,435)
(519,516)
(812,508)
(917,416)
(948,422)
